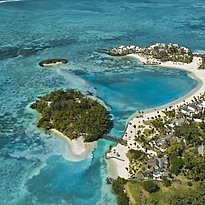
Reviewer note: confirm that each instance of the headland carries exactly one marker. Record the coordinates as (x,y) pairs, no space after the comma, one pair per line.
(160,55)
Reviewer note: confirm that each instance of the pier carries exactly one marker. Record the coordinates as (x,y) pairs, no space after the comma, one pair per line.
(113,139)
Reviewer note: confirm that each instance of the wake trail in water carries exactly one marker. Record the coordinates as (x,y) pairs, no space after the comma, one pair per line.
(77,82)
(8,1)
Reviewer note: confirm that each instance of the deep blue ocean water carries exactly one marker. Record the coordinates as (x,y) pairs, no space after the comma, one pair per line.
(35,167)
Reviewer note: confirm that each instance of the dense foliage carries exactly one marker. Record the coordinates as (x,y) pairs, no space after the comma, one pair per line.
(176,164)
(194,166)
(150,186)
(184,158)
(73,114)
(119,189)
(176,148)
(202,64)
(166,182)
(161,51)
(137,163)
(167,52)
(158,124)
(136,155)
(194,195)
(178,140)
(191,133)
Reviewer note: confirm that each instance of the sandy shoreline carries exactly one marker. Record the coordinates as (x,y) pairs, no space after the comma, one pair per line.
(198,75)
(118,167)
(79,149)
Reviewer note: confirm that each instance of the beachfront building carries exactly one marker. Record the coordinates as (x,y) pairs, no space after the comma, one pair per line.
(156,53)
(153,135)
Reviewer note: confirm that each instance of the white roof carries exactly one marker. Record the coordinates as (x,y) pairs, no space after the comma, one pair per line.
(121,47)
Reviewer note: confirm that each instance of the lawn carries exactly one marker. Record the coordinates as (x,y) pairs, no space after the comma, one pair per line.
(138,196)
(133,190)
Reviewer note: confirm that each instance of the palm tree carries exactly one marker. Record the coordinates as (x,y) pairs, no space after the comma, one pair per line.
(134,126)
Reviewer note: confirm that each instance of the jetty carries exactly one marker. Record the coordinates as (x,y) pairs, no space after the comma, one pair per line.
(113,139)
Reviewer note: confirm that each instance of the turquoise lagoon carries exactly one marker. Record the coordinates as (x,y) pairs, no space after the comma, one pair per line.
(36,168)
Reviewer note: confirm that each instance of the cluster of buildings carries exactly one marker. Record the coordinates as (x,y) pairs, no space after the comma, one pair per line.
(169,48)
(125,50)
(157,167)
(192,109)
(144,136)
(156,52)
(170,52)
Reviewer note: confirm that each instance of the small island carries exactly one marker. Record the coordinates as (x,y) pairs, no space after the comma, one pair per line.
(73,114)
(52,62)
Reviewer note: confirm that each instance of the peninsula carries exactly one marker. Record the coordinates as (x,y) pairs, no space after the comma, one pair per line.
(157,53)
(165,146)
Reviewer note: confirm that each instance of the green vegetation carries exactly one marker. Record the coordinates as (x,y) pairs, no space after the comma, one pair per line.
(202,65)
(170,52)
(194,196)
(73,114)
(184,156)
(176,164)
(166,182)
(137,163)
(191,133)
(118,186)
(136,155)
(173,194)
(158,124)
(176,148)
(180,144)
(150,186)
(161,51)
(134,191)
(194,166)
(176,174)
(170,113)
(142,197)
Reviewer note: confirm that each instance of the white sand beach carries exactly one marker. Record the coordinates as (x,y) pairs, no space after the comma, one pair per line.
(117,166)
(78,148)
(52,64)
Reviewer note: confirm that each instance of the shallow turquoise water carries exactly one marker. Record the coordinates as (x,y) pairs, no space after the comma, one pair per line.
(34,166)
